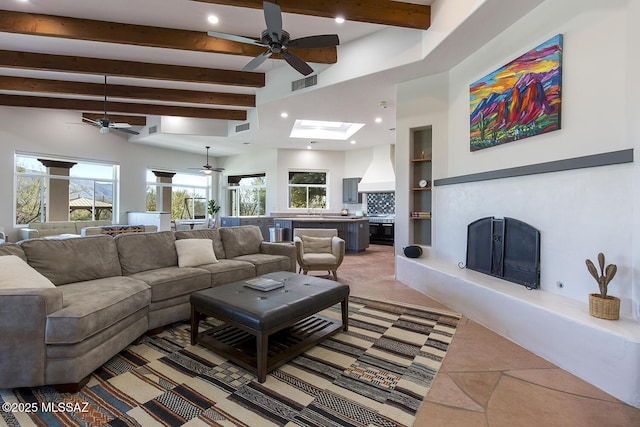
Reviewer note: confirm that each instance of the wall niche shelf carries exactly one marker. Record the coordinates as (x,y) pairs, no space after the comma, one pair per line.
(420,165)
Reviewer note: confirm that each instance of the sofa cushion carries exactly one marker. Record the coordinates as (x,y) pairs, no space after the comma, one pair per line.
(93,306)
(12,249)
(316,245)
(229,270)
(243,240)
(320,259)
(73,260)
(212,234)
(54,228)
(146,251)
(17,274)
(195,252)
(169,282)
(265,263)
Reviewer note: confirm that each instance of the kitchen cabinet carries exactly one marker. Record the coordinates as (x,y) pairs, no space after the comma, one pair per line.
(355,232)
(350,190)
(263,222)
(357,236)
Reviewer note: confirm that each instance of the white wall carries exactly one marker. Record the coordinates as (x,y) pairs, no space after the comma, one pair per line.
(579,213)
(276,163)
(57,133)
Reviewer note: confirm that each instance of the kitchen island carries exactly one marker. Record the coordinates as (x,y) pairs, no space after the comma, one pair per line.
(353,229)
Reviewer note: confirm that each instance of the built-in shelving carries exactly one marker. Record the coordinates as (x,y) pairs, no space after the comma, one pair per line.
(420,163)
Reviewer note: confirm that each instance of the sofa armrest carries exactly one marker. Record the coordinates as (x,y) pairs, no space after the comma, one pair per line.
(29,233)
(90,231)
(23,322)
(286,249)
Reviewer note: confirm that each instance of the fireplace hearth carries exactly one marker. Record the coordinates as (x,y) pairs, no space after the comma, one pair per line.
(505,248)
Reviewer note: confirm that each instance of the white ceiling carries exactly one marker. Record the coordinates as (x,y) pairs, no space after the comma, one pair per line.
(348,98)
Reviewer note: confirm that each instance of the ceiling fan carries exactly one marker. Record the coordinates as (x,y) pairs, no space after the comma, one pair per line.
(277,40)
(208,169)
(105,124)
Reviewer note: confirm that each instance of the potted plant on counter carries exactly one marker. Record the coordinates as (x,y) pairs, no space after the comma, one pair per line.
(602,305)
(212,209)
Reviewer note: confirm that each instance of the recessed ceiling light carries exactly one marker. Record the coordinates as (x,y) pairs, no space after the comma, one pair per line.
(339,19)
(378,119)
(308,147)
(284,114)
(353,141)
(213,19)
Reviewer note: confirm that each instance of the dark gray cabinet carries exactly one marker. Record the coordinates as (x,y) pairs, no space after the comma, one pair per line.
(357,236)
(263,222)
(354,233)
(350,190)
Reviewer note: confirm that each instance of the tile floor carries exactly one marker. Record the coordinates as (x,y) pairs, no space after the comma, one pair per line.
(486,380)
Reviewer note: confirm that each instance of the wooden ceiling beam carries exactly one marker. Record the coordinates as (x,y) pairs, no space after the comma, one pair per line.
(118,118)
(140,35)
(21,84)
(121,107)
(143,70)
(384,12)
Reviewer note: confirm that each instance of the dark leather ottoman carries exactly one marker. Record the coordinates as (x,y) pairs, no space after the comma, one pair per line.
(264,330)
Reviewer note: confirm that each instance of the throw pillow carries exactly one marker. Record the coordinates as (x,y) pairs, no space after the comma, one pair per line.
(195,252)
(316,245)
(18,274)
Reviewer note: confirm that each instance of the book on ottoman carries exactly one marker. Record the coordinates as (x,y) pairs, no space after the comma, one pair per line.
(263,284)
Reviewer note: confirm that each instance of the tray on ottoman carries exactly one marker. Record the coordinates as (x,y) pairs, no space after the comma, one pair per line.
(264,330)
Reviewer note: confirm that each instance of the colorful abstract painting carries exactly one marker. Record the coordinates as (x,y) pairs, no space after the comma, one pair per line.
(520,99)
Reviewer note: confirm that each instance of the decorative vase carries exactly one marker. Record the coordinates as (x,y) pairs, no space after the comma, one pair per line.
(604,308)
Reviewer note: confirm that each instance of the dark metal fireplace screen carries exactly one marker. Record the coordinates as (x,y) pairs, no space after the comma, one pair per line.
(505,248)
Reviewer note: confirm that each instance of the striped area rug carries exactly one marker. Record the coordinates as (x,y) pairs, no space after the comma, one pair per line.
(376,374)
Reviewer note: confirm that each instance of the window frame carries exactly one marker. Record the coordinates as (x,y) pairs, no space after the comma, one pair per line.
(45,178)
(325,186)
(233,194)
(173,185)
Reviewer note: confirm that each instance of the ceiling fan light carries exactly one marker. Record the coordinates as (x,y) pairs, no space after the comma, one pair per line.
(207,171)
(104,129)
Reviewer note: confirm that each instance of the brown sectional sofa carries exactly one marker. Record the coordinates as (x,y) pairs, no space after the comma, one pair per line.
(110,291)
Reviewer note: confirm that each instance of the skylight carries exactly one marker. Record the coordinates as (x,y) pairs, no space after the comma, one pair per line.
(317,129)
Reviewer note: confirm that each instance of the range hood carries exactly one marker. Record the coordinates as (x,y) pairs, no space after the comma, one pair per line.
(380,176)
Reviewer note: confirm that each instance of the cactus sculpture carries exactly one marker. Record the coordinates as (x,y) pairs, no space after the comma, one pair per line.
(605,276)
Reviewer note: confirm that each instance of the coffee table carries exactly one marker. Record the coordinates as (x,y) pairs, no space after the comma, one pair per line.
(264,330)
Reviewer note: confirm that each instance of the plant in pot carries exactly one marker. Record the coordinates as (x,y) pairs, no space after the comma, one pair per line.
(602,305)
(212,209)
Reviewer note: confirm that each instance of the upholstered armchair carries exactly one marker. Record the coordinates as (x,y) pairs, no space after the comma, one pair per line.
(319,249)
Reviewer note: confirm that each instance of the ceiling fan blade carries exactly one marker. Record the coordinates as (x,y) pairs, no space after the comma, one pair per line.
(311,42)
(273,18)
(296,62)
(234,38)
(119,125)
(255,62)
(93,122)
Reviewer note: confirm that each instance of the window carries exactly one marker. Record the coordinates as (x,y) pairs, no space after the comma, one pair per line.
(308,190)
(247,195)
(56,189)
(186,195)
